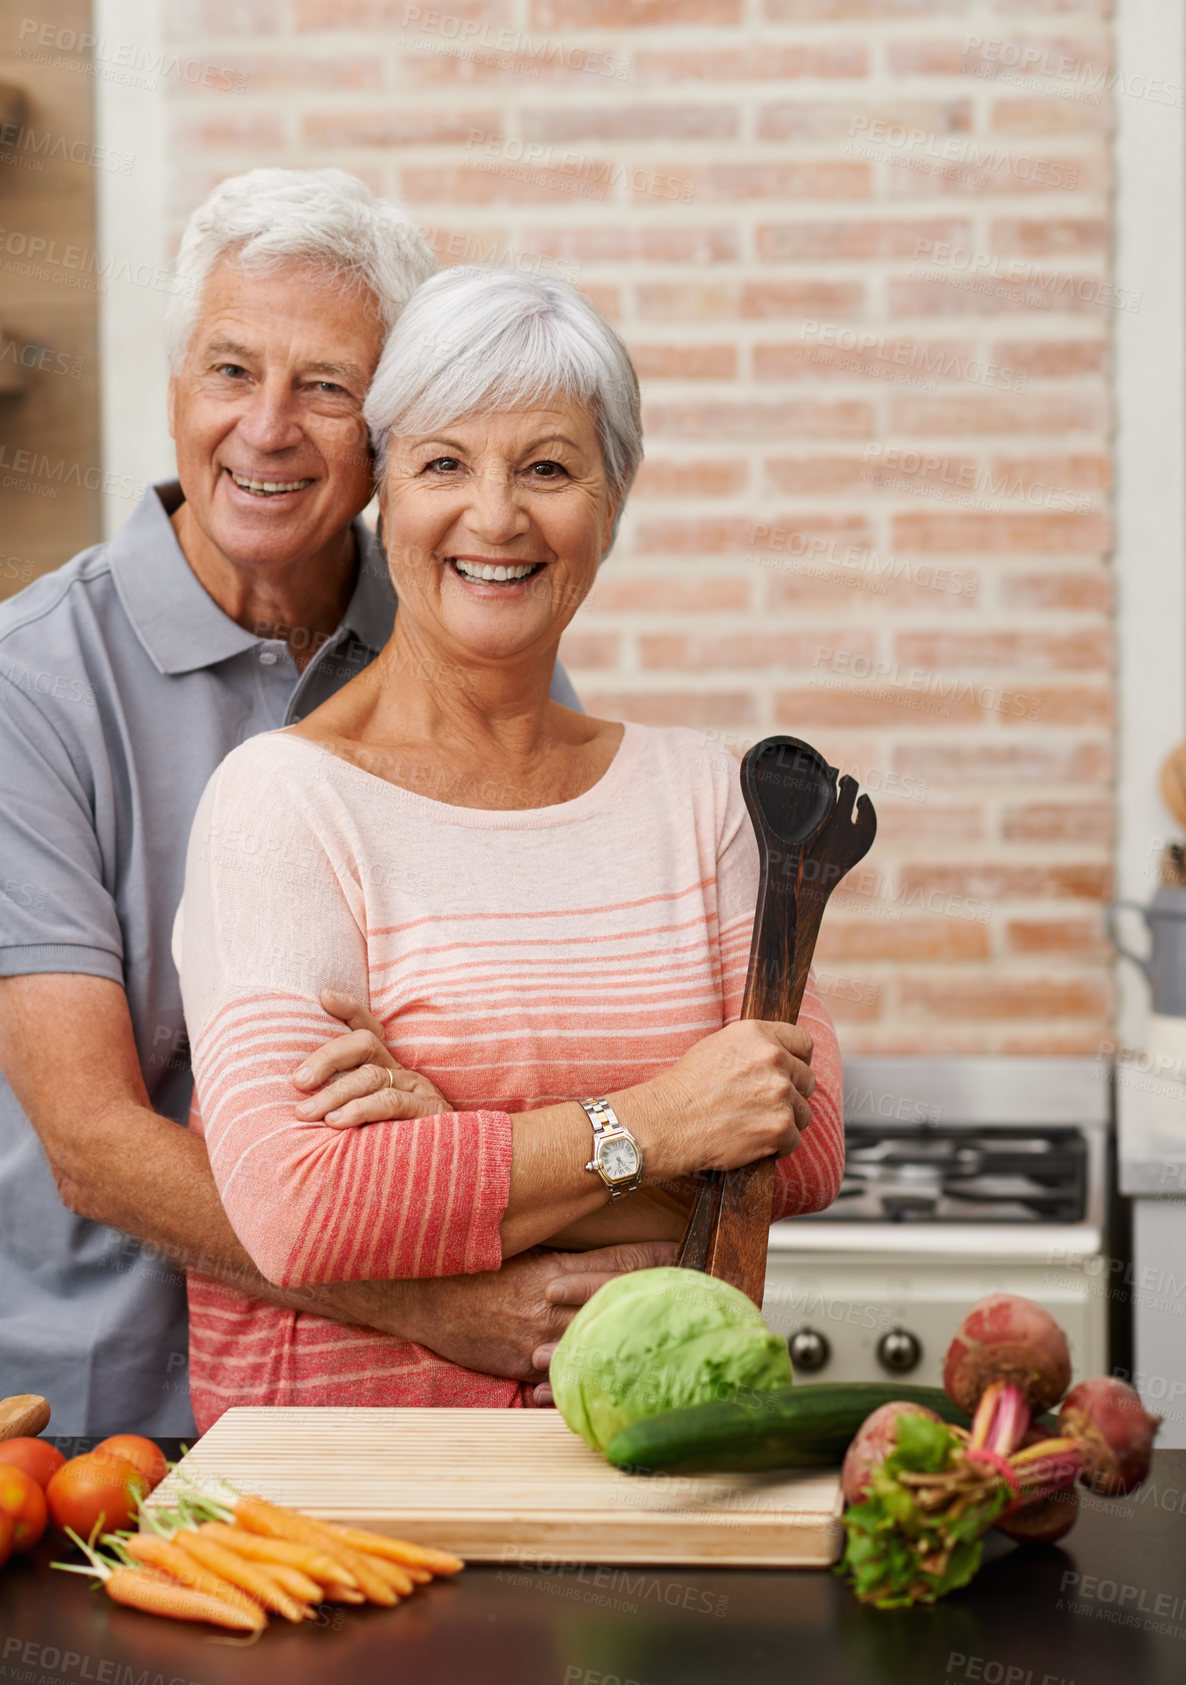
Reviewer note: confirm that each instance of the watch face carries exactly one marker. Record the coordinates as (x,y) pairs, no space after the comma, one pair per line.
(619,1158)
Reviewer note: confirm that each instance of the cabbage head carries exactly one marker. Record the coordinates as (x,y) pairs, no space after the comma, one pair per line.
(658,1340)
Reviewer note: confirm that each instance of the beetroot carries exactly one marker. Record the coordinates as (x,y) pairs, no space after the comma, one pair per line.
(1007,1338)
(876,1438)
(1044,1520)
(1116,1432)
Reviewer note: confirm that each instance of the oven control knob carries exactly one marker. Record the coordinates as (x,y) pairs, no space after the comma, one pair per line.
(899,1352)
(809,1349)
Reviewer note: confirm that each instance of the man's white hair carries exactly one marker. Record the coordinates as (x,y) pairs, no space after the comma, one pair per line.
(326,218)
(475,340)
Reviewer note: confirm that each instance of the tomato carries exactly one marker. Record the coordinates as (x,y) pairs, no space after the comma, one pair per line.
(6,1532)
(90,1487)
(23,1501)
(140,1452)
(36,1456)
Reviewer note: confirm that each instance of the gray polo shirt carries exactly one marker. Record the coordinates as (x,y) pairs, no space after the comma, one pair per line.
(122,686)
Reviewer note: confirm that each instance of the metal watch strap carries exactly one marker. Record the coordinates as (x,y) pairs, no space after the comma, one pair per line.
(605,1121)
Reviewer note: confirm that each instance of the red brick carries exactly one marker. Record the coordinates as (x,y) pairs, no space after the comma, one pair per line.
(1056,412)
(894,707)
(870,582)
(1017,997)
(734,535)
(908,939)
(1071,590)
(991,170)
(1004,764)
(910,821)
(958,293)
(823,476)
(686,301)
(1052,357)
(645,243)
(631,122)
(1008,532)
(1051,116)
(631,14)
(1051,236)
(392,125)
(792,242)
(684,362)
(749,419)
(837,11)
(605,299)
(760,299)
(1071,880)
(556,62)
(893,358)
(384,14)
(769,179)
(810,120)
(493,180)
(583,651)
(766,61)
(1079,705)
(1052,1044)
(726,652)
(1080,471)
(260,131)
(698,708)
(951,56)
(1087,649)
(850,999)
(1079,937)
(290,73)
(704,478)
(674,593)
(918,470)
(1082,822)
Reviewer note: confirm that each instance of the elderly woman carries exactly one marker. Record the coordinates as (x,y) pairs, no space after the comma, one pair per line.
(550,914)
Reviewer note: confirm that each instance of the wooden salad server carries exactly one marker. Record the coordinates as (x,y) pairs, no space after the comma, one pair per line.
(810,833)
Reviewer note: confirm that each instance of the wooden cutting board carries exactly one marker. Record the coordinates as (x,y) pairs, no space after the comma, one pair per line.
(513,1486)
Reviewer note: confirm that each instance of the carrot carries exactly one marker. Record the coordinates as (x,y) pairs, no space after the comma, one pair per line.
(156,1595)
(246,1575)
(418,1576)
(306,1558)
(292,1581)
(274,1522)
(159,1553)
(391,1574)
(343,1594)
(396,1550)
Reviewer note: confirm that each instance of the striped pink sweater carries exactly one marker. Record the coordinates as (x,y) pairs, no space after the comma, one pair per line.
(516,958)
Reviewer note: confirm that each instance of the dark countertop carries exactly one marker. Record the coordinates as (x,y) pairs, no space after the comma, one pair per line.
(1107,1608)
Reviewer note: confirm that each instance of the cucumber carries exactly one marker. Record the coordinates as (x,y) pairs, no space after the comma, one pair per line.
(787,1428)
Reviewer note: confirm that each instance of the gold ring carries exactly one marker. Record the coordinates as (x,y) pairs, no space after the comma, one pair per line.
(390,1078)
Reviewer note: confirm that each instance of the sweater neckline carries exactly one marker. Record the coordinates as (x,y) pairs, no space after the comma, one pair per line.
(589,803)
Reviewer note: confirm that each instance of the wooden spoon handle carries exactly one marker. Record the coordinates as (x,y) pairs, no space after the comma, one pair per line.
(23,1415)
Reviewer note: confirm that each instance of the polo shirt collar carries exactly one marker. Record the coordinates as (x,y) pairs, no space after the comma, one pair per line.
(180,625)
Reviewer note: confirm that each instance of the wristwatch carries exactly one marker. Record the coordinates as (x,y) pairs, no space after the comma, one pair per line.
(617,1156)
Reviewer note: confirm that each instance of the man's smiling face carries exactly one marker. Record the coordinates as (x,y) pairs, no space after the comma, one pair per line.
(266,412)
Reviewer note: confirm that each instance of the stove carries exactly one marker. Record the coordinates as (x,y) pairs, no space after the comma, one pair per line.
(964,1176)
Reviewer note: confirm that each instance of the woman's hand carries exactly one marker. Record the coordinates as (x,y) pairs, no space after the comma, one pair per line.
(739,1095)
(359,1081)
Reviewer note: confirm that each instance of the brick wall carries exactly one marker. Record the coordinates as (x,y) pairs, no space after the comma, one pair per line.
(859,250)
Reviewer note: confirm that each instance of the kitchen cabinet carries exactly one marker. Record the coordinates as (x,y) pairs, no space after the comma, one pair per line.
(1151,1145)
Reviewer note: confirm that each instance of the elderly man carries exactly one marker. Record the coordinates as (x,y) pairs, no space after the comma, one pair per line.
(232,602)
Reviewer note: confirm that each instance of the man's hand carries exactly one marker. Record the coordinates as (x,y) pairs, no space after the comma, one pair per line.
(507,1322)
(359,1080)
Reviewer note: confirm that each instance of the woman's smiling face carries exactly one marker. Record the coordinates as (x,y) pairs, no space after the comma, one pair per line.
(495,527)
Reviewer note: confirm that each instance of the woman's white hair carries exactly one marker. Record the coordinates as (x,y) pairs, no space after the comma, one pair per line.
(475,340)
(327,218)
